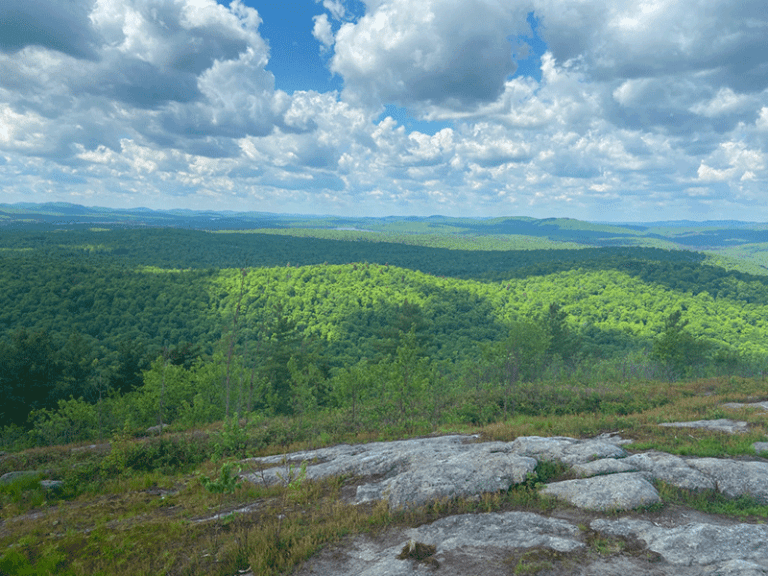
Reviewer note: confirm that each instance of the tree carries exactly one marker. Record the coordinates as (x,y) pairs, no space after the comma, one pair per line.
(29,373)
(561,340)
(676,348)
(519,358)
(132,360)
(281,343)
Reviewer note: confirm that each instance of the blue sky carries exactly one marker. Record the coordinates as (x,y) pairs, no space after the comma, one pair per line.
(609,110)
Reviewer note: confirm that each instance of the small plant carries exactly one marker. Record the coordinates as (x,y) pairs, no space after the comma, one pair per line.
(419,552)
(226,483)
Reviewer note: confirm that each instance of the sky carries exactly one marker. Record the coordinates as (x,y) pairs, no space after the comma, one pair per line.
(601,110)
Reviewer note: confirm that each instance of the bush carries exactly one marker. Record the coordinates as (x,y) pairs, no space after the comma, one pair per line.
(72,421)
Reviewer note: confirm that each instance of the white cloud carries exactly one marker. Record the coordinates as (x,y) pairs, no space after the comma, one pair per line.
(640,107)
(433,52)
(335,7)
(726,101)
(322,31)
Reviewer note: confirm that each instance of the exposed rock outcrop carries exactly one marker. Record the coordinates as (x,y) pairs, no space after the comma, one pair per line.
(412,472)
(529,543)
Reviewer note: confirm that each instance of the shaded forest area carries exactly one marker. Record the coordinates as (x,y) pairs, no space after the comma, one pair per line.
(107,328)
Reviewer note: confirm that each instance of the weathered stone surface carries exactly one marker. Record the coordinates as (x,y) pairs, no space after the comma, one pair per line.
(671,469)
(603,466)
(696,543)
(500,530)
(567,450)
(721,425)
(760,447)
(625,491)
(738,405)
(735,478)
(413,472)
(410,472)
(482,544)
(467,544)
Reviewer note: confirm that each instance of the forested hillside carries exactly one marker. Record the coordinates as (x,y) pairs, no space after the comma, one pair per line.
(177,324)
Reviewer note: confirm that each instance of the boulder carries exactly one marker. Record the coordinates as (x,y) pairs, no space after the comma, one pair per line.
(625,491)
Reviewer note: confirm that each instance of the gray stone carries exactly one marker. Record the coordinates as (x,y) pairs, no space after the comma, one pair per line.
(671,469)
(738,405)
(408,472)
(566,450)
(603,466)
(105,447)
(155,430)
(465,544)
(735,478)
(9,477)
(741,568)
(499,530)
(624,491)
(721,425)
(760,447)
(695,543)
(52,485)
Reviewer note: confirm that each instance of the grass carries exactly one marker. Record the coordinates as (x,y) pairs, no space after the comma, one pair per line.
(143,507)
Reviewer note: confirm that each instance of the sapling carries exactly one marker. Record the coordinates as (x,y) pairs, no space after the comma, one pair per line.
(226,483)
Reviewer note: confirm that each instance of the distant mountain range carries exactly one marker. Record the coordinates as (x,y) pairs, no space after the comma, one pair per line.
(677,234)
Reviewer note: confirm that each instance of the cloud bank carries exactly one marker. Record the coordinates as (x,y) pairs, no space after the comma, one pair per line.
(637,111)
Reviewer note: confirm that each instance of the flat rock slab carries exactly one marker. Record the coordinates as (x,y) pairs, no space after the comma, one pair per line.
(567,450)
(408,472)
(697,544)
(672,470)
(738,405)
(606,493)
(487,545)
(735,478)
(720,425)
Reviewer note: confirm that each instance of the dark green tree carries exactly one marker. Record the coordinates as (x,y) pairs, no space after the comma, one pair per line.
(133,359)
(281,343)
(29,373)
(561,339)
(677,348)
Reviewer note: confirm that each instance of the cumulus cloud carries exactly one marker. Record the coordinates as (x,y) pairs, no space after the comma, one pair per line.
(435,52)
(637,107)
(163,71)
(322,31)
(63,26)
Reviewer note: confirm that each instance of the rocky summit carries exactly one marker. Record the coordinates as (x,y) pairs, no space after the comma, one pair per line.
(603,477)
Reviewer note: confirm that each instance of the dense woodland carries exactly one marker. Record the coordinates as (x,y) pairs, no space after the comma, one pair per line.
(120,328)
